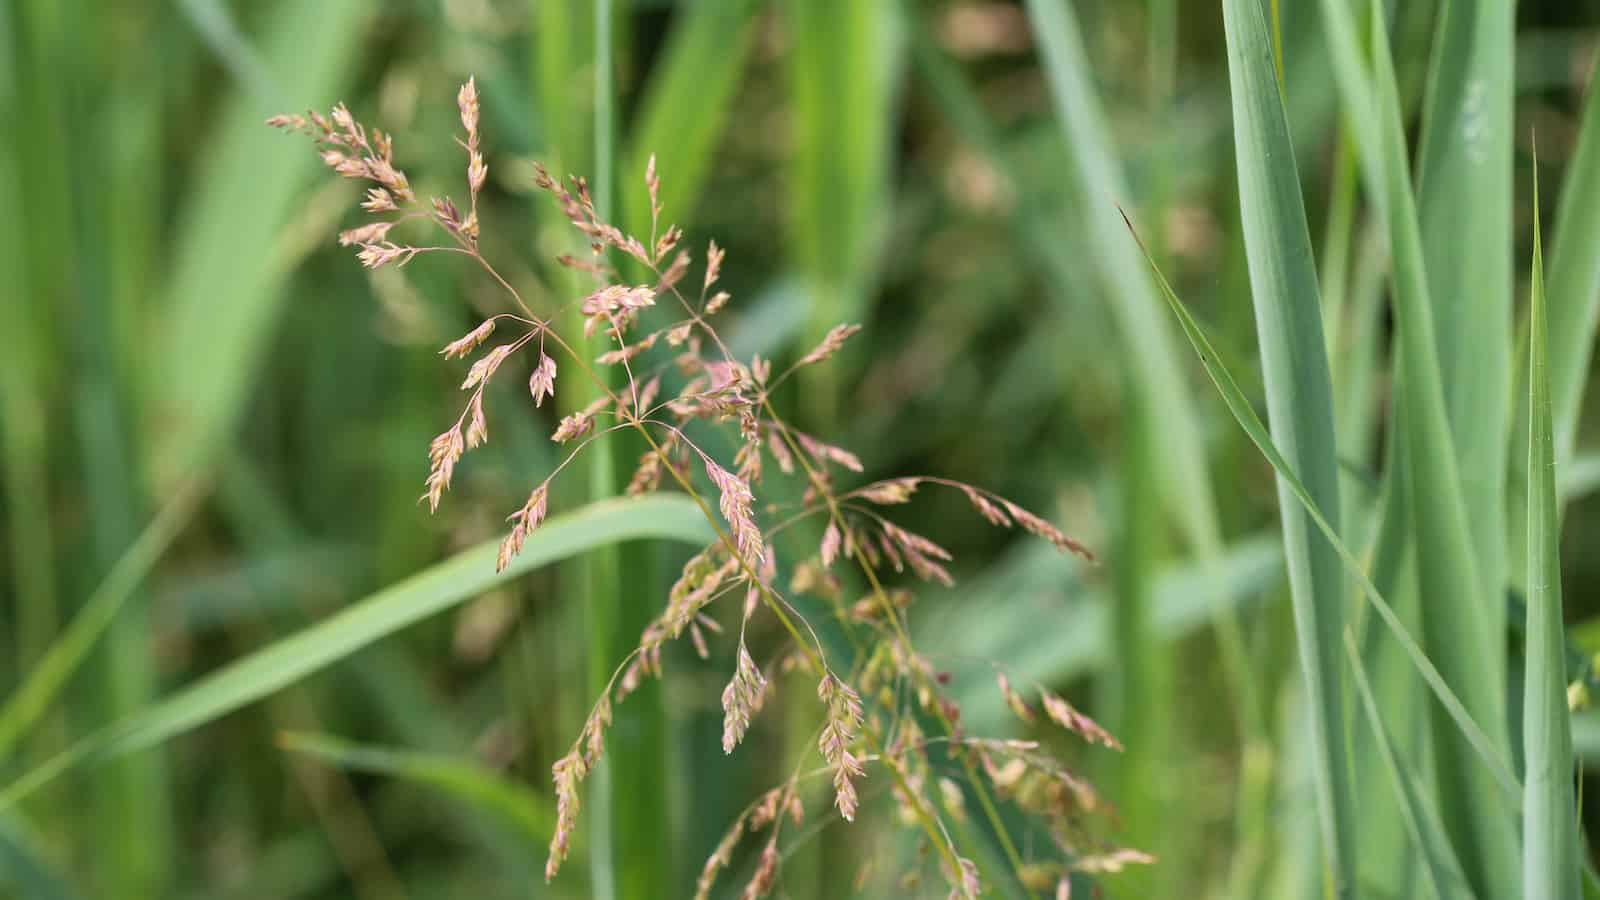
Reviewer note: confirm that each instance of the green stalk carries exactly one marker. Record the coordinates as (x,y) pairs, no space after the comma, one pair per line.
(1284,288)
(1140,684)
(628,850)
(1550,858)
(602,575)
(24,381)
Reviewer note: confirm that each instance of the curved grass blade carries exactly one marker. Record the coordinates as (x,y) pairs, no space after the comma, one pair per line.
(1488,751)
(1284,288)
(1439,864)
(46,679)
(430,591)
(1549,815)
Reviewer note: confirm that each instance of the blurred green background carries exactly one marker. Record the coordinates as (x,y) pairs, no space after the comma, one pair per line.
(214,423)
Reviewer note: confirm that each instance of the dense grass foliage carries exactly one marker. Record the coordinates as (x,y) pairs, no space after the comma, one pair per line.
(1255,299)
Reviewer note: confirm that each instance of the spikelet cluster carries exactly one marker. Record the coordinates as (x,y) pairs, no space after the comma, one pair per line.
(840,730)
(652,334)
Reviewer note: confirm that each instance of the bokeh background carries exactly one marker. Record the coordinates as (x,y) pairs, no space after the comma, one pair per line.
(182,343)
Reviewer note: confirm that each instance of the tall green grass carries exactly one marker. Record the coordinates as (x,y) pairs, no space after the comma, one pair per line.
(211,434)
(1288,305)
(1550,859)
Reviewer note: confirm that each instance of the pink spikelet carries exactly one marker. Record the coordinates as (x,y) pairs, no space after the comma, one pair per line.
(839,734)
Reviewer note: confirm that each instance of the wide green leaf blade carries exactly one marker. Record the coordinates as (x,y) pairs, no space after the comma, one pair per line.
(1457,625)
(1284,288)
(430,591)
(1549,816)
(1464,210)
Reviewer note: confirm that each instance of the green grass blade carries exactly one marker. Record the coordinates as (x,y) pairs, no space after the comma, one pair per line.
(625,844)
(685,108)
(1355,93)
(1491,754)
(225,293)
(1294,359)
(1573,297)
(1457,628)
(1464,209)
(215,25)
(1439,864)
(430,591)
(844,60)
(24,379)
(1140,687)
(1385,853)
(576,95)
(1574,283)
(67,653)
(1549,816)
(526,811)
(1146,336)
(1185,484)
